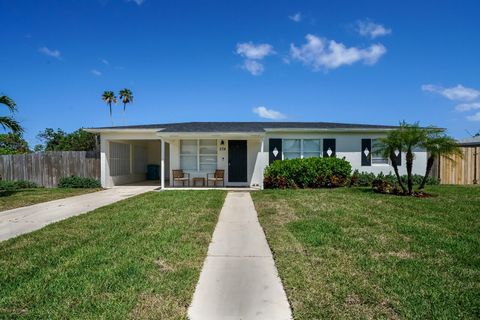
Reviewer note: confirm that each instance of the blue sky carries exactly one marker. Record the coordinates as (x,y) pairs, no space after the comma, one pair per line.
(373,62)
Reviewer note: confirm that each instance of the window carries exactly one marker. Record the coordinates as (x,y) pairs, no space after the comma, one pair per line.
(311,148)
(198,155)
(301,148)
(208,155)
(376,157)
(291,148)
(188,154)
(119,159)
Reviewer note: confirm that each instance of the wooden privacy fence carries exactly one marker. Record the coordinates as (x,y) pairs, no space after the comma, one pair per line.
(46,168)
(458,170)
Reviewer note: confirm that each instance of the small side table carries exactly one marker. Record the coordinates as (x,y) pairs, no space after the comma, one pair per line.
(198,179)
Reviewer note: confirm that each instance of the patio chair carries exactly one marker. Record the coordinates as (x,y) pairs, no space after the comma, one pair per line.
(179,175)
(217,176)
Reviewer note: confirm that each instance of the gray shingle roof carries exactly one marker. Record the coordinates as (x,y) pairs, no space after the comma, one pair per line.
(246,126)
(473,141)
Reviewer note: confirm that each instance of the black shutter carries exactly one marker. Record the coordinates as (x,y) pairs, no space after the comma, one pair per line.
(399,158)
(366,145)
(272,145)
(329,143)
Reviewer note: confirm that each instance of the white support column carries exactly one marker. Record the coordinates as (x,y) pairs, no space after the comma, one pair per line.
(262,146)
(162,165)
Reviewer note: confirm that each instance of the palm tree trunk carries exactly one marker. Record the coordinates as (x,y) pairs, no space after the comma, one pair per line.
(111,119)
(409,158)
(393,159)
(124,107)
(430,162)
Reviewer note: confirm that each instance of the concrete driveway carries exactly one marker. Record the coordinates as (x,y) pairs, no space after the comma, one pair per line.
(27,219)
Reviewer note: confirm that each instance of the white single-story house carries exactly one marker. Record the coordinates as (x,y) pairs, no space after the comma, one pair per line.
(241,149)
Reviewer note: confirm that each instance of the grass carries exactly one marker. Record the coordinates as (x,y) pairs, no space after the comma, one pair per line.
(27,197)
(138,258)
(353,254)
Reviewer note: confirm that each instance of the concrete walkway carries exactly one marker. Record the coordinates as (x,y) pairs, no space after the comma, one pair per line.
(27,219)
(239,279)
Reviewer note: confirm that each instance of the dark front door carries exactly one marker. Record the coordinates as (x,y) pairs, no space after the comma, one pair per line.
(237,160)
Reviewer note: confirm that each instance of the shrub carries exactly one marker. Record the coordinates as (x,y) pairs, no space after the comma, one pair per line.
(365,179)
(78,182)
(307,173)
(6,185)
(385,186)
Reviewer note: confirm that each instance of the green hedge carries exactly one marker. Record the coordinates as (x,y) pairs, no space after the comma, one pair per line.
(16,185)
(366,179)
(78,182)
(307,173)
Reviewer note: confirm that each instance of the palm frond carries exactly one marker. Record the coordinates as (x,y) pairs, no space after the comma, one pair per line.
(12,124)
(9,103)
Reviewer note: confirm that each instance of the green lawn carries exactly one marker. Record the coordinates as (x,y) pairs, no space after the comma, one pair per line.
(138,258)
(27,197)
(353,254)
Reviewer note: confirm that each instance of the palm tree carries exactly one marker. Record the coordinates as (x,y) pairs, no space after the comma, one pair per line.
(411,137)
(9,122)
(438,145)
(388,148)
(109,98)
(127,97)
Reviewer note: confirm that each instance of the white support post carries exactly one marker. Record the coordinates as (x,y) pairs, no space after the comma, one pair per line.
(162,165)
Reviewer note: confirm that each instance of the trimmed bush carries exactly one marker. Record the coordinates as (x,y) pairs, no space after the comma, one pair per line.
(307,173)
(16,185)
(78,182)
(365,179)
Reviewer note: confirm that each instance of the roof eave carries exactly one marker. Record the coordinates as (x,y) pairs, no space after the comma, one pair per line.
(123,130)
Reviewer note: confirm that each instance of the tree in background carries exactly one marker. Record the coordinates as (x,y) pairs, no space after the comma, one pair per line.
(13,143)
(437,145)
(8,122)
(79,140)
(109,98)
(127,97)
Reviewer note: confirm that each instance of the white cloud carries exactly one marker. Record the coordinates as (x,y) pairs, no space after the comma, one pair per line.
(252,54)
(51,53)
(139,2)
(95,72)
(372,30)
(321,53)
(475,117)
(268,113)
(297,17)
(252,51)
(254,67)
(458,92)
(467,106)
(105,62)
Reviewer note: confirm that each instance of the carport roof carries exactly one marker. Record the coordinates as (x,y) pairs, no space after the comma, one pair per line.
(243,126)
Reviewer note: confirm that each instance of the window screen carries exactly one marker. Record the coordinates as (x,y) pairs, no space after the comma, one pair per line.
(119,159)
